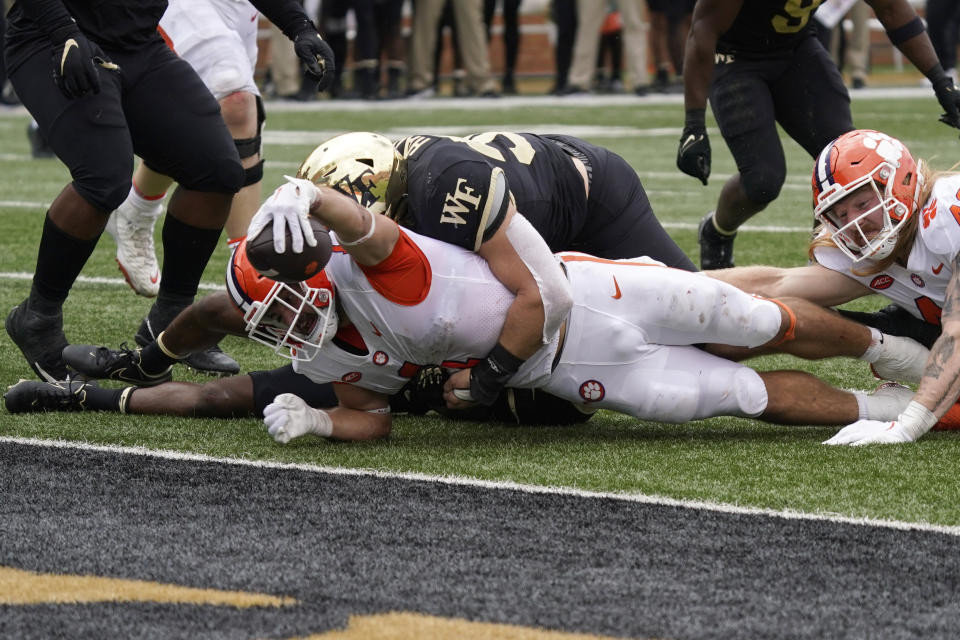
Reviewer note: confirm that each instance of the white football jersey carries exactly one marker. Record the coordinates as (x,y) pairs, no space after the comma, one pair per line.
(428,303)
(219,40)
(921,286)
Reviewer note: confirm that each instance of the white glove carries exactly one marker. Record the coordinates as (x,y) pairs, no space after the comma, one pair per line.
(871,432)
(288,206)
(289,417)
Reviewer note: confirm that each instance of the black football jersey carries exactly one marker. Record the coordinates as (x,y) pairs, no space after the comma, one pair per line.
(114,24)
(449,180)
(768,27)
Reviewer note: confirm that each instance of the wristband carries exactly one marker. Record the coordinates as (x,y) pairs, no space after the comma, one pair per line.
(489,377)
(695,118)
(916,420)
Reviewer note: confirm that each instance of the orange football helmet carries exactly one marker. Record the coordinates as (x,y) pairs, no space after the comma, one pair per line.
(293,319)
(858,158)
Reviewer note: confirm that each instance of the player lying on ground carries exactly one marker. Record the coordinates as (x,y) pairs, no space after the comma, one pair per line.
(397,300)
(889,227)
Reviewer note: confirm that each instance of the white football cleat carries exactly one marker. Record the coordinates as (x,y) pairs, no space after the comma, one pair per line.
(133,232)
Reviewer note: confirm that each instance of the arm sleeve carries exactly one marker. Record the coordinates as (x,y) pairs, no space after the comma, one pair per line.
(288,15)
(49,15)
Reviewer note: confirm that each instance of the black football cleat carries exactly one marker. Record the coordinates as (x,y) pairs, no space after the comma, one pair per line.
(716,249)
(113,364)
(40,339)
(31,396)
(212,362)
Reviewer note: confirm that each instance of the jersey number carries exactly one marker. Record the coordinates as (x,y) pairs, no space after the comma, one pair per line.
(798,14)
(520,148)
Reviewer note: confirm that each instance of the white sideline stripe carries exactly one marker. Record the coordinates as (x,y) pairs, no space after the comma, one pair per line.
(639,498)
(24,275)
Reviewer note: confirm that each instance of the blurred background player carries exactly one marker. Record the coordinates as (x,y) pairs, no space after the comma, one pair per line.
(762,64)
(219,40)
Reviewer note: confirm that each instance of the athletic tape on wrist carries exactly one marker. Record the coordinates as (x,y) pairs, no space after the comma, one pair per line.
(364,237)
(917,419)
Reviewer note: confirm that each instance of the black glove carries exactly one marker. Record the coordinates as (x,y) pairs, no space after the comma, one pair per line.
(75,62)
(317,57)
(693,156)
(949,98)
(425,390)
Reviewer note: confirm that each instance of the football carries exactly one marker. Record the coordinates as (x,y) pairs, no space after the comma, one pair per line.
(289,266)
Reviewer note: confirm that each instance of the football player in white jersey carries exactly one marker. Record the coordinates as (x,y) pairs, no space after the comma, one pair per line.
(391,300)
(890,226)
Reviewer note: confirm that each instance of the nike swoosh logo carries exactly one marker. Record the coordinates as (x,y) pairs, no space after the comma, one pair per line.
(375,330)
(937,269)
(66,51)
(155,277)
(689,141)
(616,285)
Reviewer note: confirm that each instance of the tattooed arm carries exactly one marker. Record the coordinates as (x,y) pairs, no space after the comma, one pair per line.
(940,386)
(938,390)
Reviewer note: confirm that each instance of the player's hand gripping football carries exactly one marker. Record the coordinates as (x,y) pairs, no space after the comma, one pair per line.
(317,57)
(76,61)
(949,98)
(693,156)
(288,206)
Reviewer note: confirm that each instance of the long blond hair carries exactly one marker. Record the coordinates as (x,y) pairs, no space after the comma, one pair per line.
(907,233)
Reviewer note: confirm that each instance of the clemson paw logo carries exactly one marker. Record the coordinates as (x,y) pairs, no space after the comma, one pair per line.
(380,358)
(886,147)
(592,391)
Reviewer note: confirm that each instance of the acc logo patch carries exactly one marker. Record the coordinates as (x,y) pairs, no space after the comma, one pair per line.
(380,358)
(353,376)
(592,391)
(882,281)
(917,280)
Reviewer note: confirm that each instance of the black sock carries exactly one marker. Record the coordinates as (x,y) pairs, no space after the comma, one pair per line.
(60,259)
(102,399)
(153,360)
(186,251)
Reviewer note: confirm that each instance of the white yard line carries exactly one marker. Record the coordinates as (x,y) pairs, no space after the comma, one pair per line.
(492,484)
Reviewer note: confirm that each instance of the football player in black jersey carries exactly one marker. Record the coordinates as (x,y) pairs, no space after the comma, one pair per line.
(117,89)
(762,64)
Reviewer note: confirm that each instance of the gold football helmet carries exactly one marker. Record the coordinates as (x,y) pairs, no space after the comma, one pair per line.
(362,165)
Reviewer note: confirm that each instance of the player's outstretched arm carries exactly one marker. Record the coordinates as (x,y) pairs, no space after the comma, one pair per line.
(815,283)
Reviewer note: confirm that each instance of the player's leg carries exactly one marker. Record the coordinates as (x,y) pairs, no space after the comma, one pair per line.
(98,152)
(742,105)
(178,130)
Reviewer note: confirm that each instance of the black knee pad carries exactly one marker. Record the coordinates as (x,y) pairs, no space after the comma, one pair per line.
(762,184)
(253,175)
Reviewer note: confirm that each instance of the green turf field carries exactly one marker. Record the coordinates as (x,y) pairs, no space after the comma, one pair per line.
(724,460)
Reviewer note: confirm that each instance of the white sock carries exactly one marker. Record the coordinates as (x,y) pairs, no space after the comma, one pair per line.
(142,204)
(885,403)
(872,354)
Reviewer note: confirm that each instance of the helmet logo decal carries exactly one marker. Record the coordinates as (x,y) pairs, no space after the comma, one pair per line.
(361,188)
(592,391)
(886,147)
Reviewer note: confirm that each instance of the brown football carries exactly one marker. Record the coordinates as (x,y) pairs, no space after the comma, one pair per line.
(289,266)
